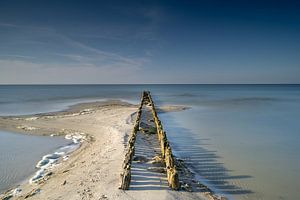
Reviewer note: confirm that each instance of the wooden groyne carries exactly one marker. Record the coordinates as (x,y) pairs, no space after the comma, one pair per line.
(126,174)
(167,155)
(166,152)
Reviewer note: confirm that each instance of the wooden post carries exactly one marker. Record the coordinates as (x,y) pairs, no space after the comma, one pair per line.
(126,174)
(172,175)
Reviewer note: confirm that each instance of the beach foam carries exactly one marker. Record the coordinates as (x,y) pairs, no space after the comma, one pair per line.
(77,137)
(27,128)
(50,160)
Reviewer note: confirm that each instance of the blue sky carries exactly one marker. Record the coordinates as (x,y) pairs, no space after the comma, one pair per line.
(59,41)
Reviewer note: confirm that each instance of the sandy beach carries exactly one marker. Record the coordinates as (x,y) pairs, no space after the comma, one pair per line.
(93,170)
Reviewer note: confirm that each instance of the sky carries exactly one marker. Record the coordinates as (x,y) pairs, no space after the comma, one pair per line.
(132,42)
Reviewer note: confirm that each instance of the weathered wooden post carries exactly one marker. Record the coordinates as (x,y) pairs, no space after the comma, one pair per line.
(172,174)
(126,174)
(125,178)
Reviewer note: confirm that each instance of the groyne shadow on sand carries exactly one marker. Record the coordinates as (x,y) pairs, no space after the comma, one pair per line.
(141,177)
(203,162)
(200,160)
(146,146)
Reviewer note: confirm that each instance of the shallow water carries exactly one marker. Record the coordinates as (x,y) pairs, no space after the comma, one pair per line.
(243,140)
(245,144)
(20,153)
(32,99)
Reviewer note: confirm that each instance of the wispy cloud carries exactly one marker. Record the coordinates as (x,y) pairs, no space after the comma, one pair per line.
(81,63)
(103,54)
(16,57)
(78,51)
(28,27)
(50,54)
(9,25)
(103,36)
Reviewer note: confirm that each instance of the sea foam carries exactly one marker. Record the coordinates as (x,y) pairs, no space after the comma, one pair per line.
(50,160)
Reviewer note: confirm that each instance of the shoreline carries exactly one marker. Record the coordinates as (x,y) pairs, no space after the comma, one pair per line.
(114,120)
(23,124)
(26,179)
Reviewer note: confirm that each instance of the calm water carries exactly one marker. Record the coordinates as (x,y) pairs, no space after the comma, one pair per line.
(20,153)
(242,140)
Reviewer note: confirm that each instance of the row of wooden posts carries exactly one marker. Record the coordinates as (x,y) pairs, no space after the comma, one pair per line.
(126,174)
(167,156)
(166,151)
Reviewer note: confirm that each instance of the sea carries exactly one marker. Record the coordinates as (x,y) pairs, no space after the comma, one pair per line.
(243,141)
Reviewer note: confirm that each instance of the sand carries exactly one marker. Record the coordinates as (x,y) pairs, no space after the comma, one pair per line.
(93,170)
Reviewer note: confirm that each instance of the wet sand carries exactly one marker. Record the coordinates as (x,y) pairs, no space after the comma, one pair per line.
(93,170)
